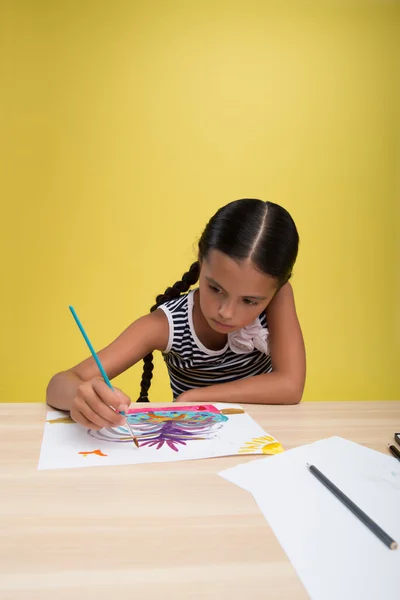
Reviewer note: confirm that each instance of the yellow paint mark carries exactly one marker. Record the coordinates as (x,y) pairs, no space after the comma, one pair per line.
(232,411)
(274,448)
(61,420)
(267,445)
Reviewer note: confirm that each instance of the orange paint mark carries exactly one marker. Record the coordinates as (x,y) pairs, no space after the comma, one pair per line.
(98,452)
(162,419)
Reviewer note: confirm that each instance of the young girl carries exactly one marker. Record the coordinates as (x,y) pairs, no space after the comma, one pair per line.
(236,338)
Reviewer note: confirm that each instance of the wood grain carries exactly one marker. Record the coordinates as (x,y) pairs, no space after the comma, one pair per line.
(169,531)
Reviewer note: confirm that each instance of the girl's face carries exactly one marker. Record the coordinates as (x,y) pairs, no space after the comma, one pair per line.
(232,294)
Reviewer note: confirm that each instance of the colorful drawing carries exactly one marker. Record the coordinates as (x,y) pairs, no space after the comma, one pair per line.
(154,428)
(209,407)
(266,444)
(190,407)
(98,452)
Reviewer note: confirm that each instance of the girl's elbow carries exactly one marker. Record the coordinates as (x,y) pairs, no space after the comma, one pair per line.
(296,397)
(294,393)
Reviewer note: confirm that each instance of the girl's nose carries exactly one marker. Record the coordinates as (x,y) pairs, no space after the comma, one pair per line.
(226,311)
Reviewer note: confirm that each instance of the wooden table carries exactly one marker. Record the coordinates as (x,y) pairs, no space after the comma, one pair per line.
(168,531)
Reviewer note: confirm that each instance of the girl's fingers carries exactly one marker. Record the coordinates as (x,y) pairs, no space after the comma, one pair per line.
(114,398)
(78,417)
(106,416)
(94,405)
(93,417)
(106,413)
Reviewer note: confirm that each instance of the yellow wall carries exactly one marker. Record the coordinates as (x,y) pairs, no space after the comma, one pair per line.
(125,125)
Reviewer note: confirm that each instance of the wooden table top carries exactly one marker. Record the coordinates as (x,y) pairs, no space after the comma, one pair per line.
(167,530)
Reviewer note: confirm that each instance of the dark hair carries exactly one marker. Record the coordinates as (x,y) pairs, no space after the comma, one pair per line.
(244,229)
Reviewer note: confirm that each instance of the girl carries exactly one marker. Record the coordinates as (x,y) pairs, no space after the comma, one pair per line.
(236,338)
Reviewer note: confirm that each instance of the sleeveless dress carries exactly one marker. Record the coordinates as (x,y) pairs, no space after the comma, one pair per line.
(191,365)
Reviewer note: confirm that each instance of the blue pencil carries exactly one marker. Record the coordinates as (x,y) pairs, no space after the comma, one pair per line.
(98,363)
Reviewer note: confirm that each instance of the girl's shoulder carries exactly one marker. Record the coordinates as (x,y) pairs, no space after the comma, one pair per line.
(179,304)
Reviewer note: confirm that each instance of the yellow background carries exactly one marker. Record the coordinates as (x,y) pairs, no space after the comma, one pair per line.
(125,125)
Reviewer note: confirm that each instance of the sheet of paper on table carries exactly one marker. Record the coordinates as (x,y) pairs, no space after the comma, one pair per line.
(335,555)
(165,433)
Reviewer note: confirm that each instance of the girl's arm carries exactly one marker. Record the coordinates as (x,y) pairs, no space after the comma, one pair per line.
(145,335)
(285,384)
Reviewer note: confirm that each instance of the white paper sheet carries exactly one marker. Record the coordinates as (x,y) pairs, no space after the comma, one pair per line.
(335,555)
(165,433)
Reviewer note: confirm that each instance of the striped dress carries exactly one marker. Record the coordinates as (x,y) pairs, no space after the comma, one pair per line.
(191,365)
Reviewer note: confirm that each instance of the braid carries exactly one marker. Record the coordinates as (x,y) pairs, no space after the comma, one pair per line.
(180,287)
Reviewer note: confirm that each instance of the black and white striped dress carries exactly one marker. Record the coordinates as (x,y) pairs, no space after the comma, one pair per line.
(191,365)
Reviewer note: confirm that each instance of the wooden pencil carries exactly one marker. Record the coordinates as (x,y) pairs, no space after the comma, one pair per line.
(384,537)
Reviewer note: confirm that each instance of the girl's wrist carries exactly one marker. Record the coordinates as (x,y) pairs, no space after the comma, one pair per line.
(188,396)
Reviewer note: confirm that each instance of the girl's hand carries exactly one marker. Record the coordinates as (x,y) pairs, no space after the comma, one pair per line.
(94,402)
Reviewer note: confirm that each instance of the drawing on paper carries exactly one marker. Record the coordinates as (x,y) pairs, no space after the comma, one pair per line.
(172,428)
(165,433)
(98,452)
(266,444)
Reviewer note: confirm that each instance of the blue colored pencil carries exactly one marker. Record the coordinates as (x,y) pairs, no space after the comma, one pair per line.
(101,368)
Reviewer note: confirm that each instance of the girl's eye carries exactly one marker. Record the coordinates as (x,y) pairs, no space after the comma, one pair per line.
(249,302)
(214,289)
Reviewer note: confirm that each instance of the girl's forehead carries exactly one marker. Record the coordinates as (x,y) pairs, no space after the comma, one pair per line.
(237,276)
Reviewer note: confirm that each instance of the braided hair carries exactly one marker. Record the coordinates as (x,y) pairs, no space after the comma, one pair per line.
(249,228)
(180,287)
